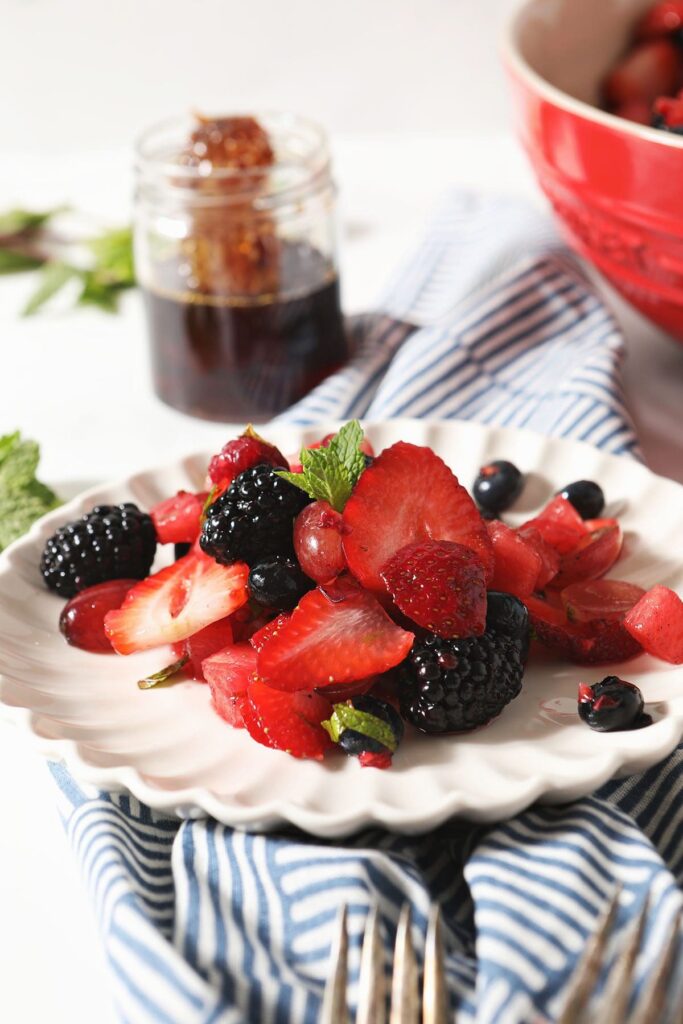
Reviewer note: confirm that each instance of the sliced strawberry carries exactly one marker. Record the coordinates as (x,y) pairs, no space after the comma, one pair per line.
(231,669)
(176,602)
(594,555)
(269,630)
(649,70)
(242,453)
(177,519)
(336,634)
(518,565)
(370,760)
(230,708)
(662,19)
(406,496)
(656,622)
(201,645)
(550,560)
(439,585)
(598,642)
(559,524)
(288,721)
(600,599)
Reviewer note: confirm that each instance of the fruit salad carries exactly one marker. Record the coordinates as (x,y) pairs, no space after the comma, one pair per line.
(645,85)
(343,599)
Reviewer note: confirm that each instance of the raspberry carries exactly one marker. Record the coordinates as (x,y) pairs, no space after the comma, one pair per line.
(254,518)
(110,542)
(242,453)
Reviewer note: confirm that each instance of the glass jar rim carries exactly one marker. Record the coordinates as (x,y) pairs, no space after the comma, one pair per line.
(302,159)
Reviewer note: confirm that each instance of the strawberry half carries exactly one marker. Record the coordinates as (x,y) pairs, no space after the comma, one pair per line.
(559,524)
(517,563)
(287,721)
(201,645)
(647,71)
(176,602)
(439,585)
(408,495)
(231,670)
(656,622)
(336,634)
(269,630)
(177,520)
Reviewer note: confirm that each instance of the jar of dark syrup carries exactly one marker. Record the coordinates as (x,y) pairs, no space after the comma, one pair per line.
(235,249)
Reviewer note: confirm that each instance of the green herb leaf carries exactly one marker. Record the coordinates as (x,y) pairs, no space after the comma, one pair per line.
(163,675)
(23,498)
(18,221)
(53,277)
(97,292)
(345,716)
(330,474)
(13,262)
(113,253)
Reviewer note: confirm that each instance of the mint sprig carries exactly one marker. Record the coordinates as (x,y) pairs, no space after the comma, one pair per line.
(23,498)
(163,675)
(345,716)
(330,474)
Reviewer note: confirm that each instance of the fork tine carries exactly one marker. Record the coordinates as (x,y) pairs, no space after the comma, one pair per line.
(434,999)
(620,982)
(334,1009)
(404,990)
(652,1001)
(583,980)
(372,984)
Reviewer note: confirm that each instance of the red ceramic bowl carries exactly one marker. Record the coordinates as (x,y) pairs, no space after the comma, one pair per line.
(616,187)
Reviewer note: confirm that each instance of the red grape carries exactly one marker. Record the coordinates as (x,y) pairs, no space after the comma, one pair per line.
(82,618)
(318,543)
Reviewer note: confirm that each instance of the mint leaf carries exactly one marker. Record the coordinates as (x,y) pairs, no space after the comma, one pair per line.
(53,278)
(345,716)
(346,446)
(113,254)
(163,675)
(23,498)
(18,221)
(330,474)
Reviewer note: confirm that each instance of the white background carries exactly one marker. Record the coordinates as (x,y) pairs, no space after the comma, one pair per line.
(413,97)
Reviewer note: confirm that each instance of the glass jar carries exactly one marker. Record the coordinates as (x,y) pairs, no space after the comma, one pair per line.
(238,264)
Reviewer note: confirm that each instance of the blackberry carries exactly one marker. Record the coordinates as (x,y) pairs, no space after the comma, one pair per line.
(254,518)
(110,542)
(456,685)
(507,615)
(586,496)
(498,485)
(278,583)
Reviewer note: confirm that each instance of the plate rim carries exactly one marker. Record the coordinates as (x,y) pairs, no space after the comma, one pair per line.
(198,801)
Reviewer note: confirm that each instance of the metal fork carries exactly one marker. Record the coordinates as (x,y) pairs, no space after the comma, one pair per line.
(613,1007)
(405,990)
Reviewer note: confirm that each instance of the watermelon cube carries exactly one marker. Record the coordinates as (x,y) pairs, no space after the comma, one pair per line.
(656,622)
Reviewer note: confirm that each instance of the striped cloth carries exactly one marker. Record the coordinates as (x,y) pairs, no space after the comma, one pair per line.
(202,923)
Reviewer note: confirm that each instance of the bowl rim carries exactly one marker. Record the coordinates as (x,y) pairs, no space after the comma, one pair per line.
(516,63)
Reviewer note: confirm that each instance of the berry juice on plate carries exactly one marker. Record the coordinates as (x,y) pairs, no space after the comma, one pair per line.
(235,253)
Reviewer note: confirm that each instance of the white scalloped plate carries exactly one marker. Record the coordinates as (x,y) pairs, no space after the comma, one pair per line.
(171,751)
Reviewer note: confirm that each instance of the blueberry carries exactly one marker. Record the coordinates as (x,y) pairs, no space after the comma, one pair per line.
(586,496)
(355,742)
(611,705)
(498,485)
(278,583)
(508,616)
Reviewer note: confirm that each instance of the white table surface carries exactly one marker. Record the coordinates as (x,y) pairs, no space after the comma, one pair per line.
(78,382)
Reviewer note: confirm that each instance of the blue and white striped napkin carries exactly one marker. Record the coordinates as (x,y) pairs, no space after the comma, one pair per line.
(491,319)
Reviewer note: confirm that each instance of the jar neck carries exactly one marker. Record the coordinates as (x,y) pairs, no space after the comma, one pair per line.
(301,170)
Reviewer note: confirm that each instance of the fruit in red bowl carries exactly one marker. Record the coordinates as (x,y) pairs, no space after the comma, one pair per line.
(613,183)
